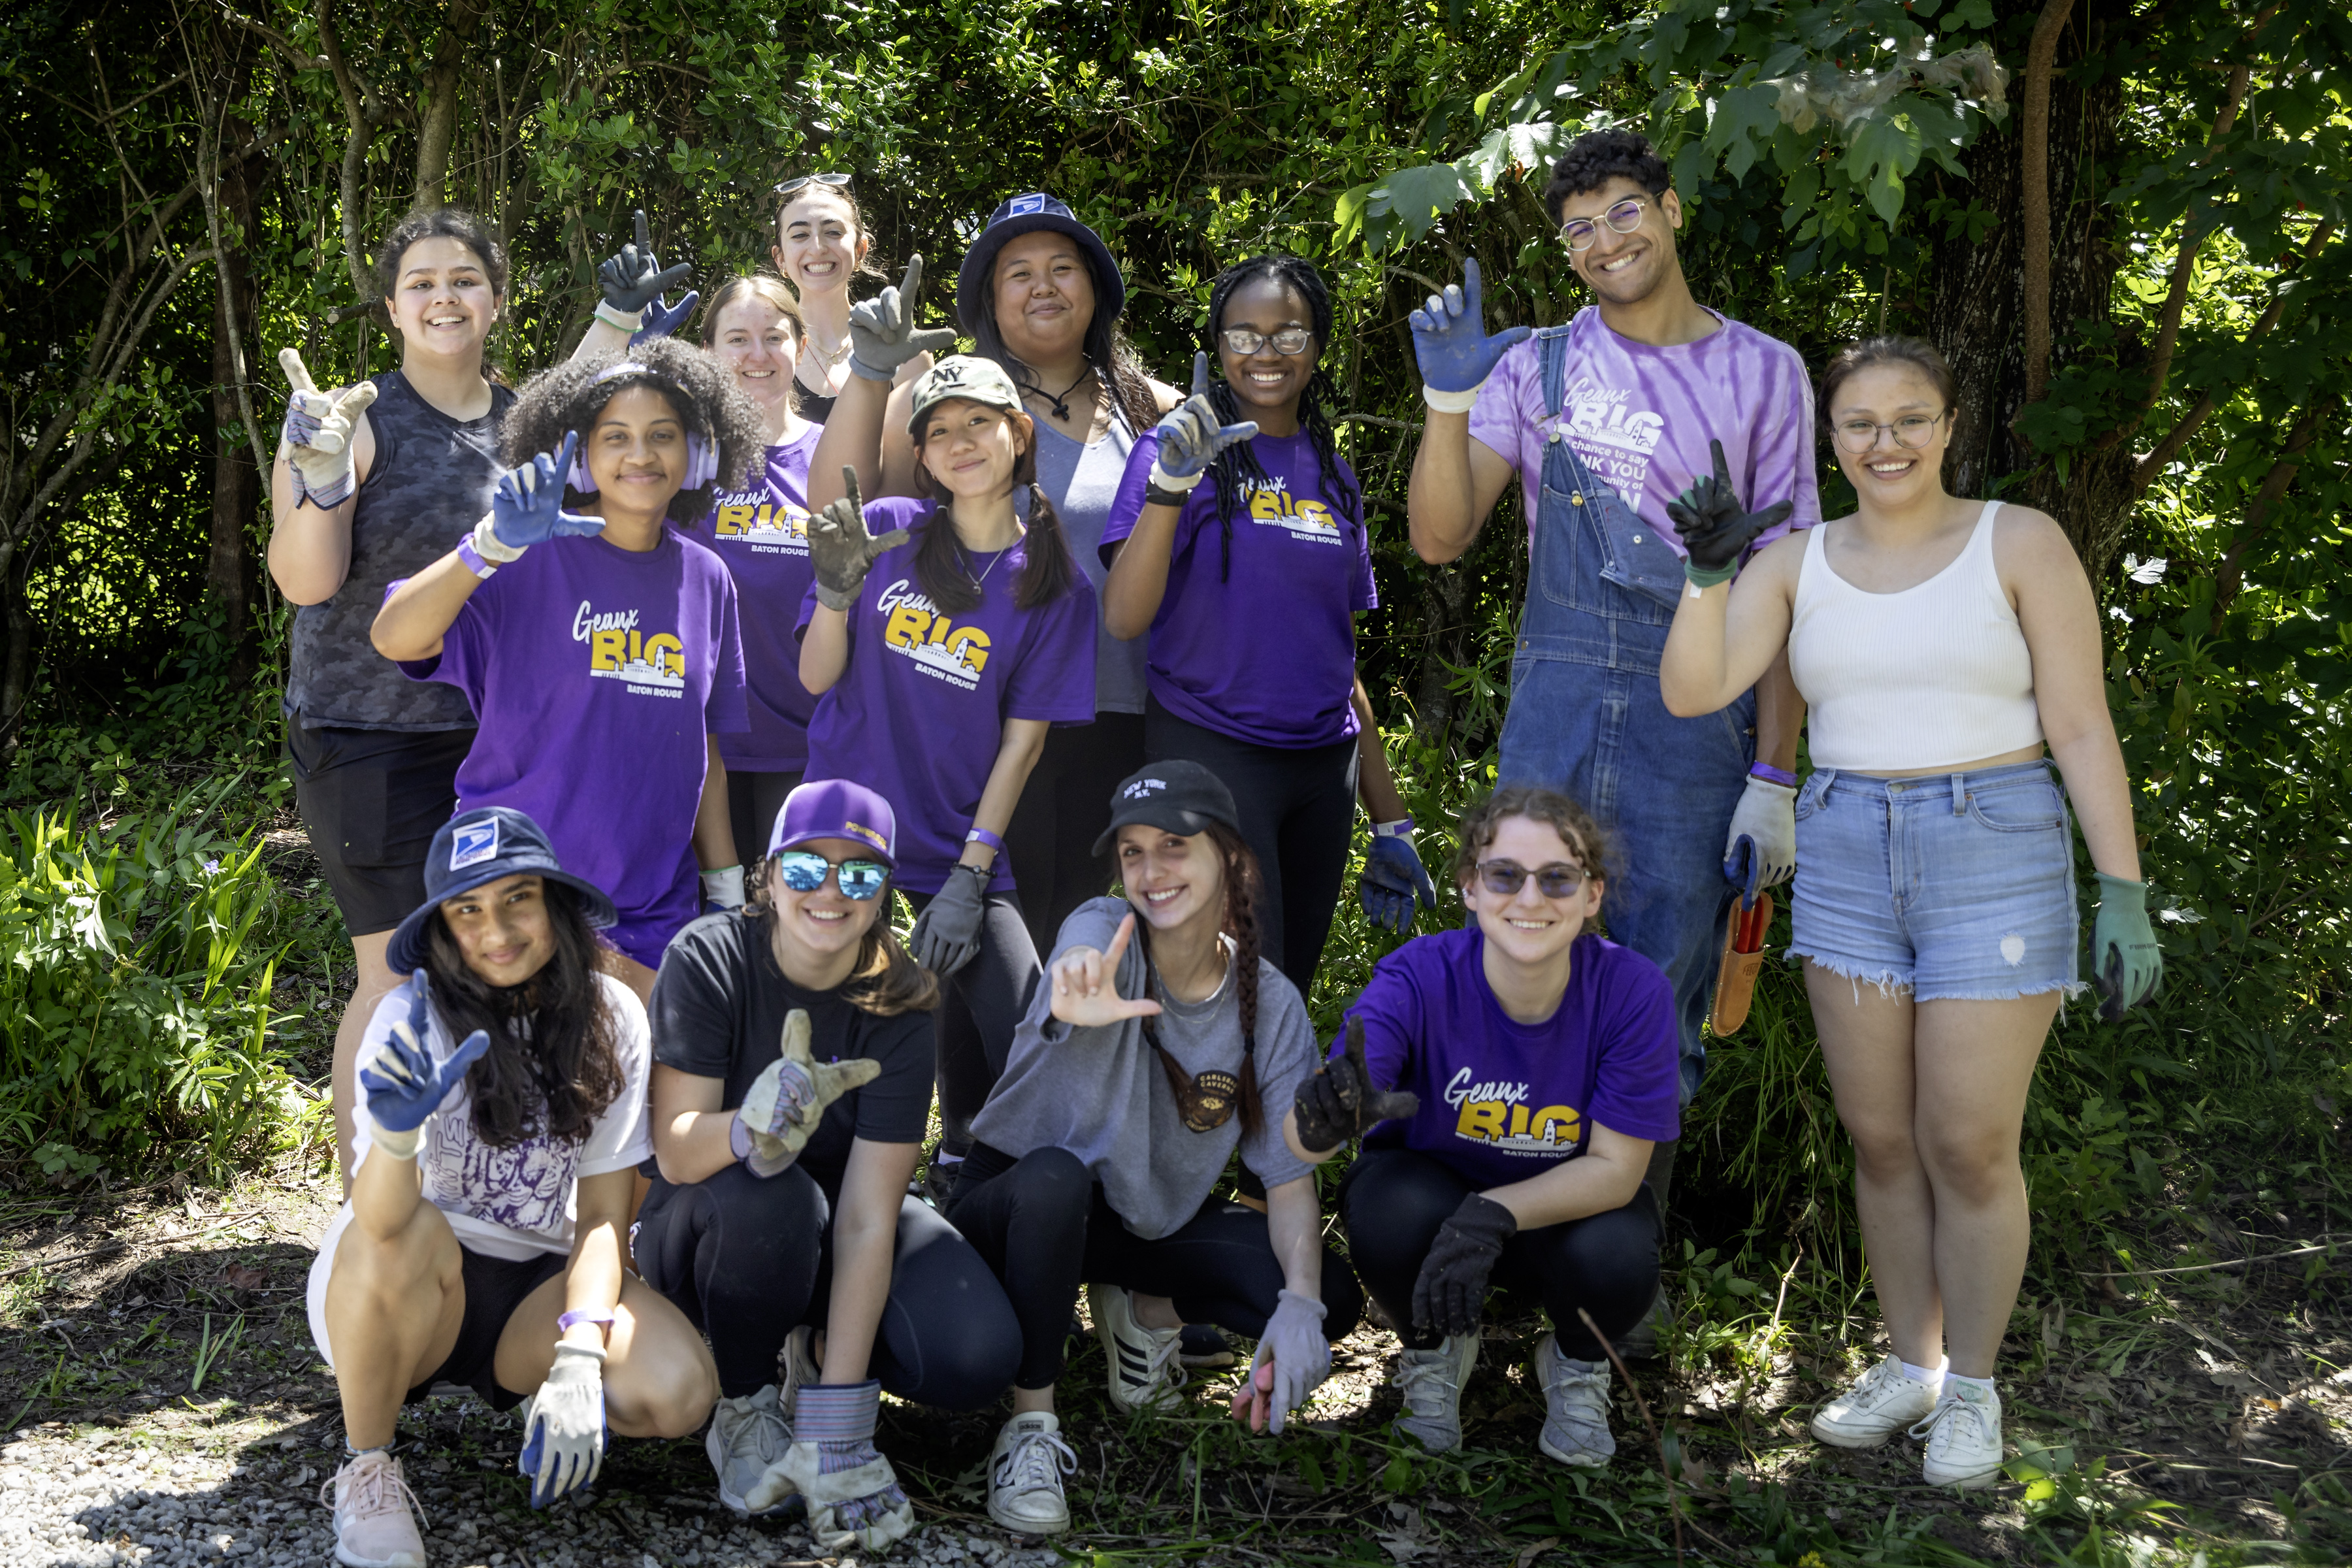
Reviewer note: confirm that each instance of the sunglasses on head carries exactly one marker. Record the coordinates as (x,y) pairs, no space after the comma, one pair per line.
(805,870)
(1556,881)
(802,182)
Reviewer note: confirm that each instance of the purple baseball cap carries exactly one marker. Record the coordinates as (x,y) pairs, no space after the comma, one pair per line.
(836,809)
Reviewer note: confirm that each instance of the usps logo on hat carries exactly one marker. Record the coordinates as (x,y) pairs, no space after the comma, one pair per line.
(1034,202)
(1143,789)
(474,842)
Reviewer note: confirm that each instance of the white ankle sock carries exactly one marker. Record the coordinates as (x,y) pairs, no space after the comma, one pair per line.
(1930,1376)
(1984,1383)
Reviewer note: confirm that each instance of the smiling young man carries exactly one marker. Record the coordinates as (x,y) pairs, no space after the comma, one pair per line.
(1605,421)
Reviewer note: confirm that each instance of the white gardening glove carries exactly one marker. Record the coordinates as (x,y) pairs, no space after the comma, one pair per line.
(723,889)
(1293,1357)
(318,432)
(790,1097)
(1761,849)
(853,1494)
(564,1425)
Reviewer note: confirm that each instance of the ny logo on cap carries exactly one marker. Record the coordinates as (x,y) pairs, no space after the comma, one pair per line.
(473,844)
(1142,787)
(1034,202)
(947,372)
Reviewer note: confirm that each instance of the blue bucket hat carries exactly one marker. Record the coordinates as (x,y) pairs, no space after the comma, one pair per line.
(474,849)
(1027,213)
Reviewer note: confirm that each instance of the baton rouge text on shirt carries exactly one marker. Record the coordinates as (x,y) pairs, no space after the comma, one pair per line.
(1486,1110)
(937,646)
(650,665)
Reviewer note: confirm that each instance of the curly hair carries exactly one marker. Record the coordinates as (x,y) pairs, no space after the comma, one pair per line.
(1597,157)
(1585,843)
(1237,465)
(1244,884)
(440,223)
(1048,571)
(707,400)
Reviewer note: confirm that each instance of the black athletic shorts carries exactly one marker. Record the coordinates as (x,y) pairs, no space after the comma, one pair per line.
(495,1287)
(372,800)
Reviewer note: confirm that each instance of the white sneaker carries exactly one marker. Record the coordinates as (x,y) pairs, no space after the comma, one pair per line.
(375,1524)
(1431,1381)
(1576,1406)
(1145,1369)
(1882,1401)
(1963,1437)
(1024,1475)
(796,1364)
(746,1435)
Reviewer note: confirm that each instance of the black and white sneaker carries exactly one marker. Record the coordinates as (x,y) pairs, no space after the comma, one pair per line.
(1204,1348)
(1145,1371)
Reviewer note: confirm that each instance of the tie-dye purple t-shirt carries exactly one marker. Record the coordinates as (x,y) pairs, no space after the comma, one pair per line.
(1641,417)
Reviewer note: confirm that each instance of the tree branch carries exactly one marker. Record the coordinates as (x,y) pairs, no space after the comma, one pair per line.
(2231,573)
(2041,63)
(439,125)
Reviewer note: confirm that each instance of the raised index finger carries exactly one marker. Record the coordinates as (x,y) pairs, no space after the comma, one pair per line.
(849,484)
(297,374)
(1356,1045)
(1200,372)
(645,237)
(1722,469)
(1470,288)
(1119,943)
(911,283)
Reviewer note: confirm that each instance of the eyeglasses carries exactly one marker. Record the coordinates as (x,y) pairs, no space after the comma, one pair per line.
(1289,341)
(1913,430)
(802,182)
(805,870)
(1623,216)
(1506,878)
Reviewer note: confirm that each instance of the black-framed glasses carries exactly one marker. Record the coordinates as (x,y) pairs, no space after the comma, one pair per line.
(802,182)
(1623,217)
(1556,881)
(1289,341)
(805,870)
(1913,431)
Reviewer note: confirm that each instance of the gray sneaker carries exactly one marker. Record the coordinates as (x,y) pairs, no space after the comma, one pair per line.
(796,1366)
(1431,1381)
(1576,1406)
(747,1435)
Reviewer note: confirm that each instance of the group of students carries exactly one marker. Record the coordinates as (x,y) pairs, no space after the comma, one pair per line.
(620,705)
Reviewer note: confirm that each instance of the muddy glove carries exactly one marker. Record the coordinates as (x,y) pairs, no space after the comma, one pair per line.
(564,1425)
(1394,878)
(403,1085)
(842,550)
(1293,1357)
(1341,1101)
(2126,966)
(947,933)
(789,1097)
(854,1496)
(634,280)
(1450,341)
(526,506)
(1191,437)
(317,434)
(1715,528)
(661,318)
(1761,850)
(1450,1293)
(882,334)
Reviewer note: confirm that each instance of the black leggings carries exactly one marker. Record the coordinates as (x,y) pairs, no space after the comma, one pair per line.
(752,802)
(1042,1224)
(748,1260)
(1298,813)
(980,1007)
(1393,1201)
(1063,809)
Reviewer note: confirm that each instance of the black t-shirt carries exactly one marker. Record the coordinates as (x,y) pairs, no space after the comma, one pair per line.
(718,1012)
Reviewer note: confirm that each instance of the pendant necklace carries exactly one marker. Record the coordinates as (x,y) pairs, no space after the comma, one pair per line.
(1059,400)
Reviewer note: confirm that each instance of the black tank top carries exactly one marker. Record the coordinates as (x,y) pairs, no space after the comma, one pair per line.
(815,407)
(429,483)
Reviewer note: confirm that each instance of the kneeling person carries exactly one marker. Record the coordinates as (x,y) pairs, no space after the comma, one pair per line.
(483,1240)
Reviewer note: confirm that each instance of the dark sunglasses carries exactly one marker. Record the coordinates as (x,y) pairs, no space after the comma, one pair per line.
(802,182)
(1506,878)
(805,870)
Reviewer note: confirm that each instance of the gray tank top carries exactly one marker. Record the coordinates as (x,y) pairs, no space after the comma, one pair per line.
(1082,481)
(429,484)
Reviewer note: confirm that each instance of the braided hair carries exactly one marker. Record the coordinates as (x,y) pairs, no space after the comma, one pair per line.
(1237,465)
(1238,921)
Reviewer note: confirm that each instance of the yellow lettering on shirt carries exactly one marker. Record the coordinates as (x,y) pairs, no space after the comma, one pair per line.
(969,643)
(906,626)
(1565,1116)
(608,650)
(1480,1118)
(731,518)
(666,653)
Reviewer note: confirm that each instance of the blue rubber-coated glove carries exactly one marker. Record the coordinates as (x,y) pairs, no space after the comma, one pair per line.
(563,1425)
(1449,337)
(1191,437)
(403,1085)
(1394,880)
(636,278)
(661,318)
(2127,966)
(1293,1357)
(527,503)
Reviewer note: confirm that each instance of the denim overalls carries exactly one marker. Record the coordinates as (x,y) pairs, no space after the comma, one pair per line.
(1586,717)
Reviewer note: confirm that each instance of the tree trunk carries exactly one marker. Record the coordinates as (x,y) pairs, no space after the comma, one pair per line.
(17,676)
(230,573)
(437,126)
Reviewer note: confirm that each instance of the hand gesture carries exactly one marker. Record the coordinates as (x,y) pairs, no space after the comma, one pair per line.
(1085,984)
(404,1086)
(1449,337)
(840,548)
(1394,881)
(1714,527)
(563,1425)
(1450,1295)
(636,278)
(1191,437)
(661,319)
(527,503)
(1293,1357)
(2127,966)
(947,933)
(788,1098)
(318,432)
(882,334)
(1341,1102)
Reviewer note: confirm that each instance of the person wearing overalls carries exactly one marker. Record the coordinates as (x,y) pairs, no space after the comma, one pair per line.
(1605,421)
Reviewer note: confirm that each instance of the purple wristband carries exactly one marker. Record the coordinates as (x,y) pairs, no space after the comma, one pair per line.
(739,1138)
(577,1315)
(1772,775)
(472,559)
(982,835)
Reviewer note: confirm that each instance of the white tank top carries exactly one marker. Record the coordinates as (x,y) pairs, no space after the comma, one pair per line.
(1935,675)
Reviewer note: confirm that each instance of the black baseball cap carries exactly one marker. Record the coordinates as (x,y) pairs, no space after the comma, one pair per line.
(1175,796)
(1026,214)
(474,849)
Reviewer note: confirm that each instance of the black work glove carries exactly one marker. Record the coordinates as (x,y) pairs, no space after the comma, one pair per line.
(1715,528)
(1341,1101)
(1450,1293)
(636,278)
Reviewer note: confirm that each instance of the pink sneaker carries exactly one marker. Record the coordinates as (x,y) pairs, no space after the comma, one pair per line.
(375,1527)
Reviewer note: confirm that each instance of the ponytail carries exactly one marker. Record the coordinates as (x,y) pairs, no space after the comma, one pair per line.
(1239,921)
(1048,571)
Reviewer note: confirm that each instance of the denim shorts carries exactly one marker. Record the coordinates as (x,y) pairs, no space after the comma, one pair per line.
(1955,887)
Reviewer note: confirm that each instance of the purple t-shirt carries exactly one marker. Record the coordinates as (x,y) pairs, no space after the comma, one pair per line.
(761,534)
(1500,1100)
(597,675)
(1267,654)
(917,715)
(1640,418)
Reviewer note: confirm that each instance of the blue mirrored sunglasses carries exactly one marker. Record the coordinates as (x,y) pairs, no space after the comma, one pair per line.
(804,871)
